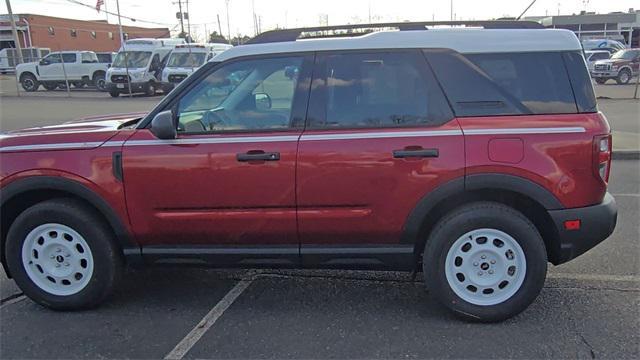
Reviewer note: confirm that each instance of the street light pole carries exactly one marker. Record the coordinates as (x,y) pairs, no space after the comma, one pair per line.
(228,23)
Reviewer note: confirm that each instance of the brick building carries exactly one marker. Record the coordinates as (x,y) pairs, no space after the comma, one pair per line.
(70,34)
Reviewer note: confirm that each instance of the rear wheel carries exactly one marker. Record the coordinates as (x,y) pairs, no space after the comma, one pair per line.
(485,261)
(62,255)
(100,82)
(114,93)
(624,76)
(78,84)
(601,80)
(29,82)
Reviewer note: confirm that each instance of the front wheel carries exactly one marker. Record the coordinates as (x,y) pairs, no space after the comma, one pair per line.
(62,255)
(114,93)
(100,82)
(485,261)
(601,80)
(29,82)
(150,89)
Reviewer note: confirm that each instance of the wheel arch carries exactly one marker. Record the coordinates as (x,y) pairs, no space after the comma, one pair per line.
(522,194)
(96,73)
(21,194)
(25,73)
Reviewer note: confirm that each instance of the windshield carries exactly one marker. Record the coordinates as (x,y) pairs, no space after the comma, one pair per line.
(135,59)
(625,54)
(184,59)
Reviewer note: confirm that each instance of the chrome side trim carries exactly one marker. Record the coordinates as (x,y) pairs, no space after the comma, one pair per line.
(525,131)
(379,135)
(217,140)
(61,146)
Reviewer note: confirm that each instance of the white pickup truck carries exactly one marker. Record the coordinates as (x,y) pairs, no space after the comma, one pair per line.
(80,68)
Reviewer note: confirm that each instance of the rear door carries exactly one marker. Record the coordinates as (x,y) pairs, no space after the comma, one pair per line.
(379,137)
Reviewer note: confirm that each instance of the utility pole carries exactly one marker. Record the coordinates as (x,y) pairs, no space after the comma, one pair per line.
(124,49)
(220,26)
(255,19)
(228,23)
(451,10)
(16,40)
(188,21)
(181,22)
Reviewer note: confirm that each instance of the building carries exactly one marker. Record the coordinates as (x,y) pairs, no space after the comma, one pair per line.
(69,34)
(622,26)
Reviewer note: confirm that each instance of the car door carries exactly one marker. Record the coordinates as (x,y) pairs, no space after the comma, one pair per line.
(50,68)
(228,179)
(72,66)
(379,137)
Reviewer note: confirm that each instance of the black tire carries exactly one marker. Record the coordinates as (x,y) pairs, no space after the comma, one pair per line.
(150,89)
(29,82)
(624,76)
(482,215)
(107,257)
(49,86)
(114,93)
(601,80)
(78,84)
(99,82)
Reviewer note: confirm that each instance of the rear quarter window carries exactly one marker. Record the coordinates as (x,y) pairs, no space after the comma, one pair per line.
(504,83)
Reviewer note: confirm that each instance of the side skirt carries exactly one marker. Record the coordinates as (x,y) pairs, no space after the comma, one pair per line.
(398,257)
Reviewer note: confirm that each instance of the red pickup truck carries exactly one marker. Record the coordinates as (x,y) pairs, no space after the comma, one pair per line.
(474,155)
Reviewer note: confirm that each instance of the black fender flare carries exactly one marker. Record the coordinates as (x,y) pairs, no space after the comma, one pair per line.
(75,188)
(472,183)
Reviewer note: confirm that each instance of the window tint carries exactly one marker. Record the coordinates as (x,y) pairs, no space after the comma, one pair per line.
(599,56)
(89,57)
(377,89)
(504,83)
(53,58)
(69,58)
(104,58)
(244,95)
(580,82)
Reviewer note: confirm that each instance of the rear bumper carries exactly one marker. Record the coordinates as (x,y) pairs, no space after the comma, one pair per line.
(597,222)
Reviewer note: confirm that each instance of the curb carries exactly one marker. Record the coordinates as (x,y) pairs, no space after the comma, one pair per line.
(626,155)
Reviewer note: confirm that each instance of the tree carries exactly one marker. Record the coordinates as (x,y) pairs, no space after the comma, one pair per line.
(216,38)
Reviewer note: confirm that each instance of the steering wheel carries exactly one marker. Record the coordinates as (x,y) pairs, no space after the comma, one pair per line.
(214,118)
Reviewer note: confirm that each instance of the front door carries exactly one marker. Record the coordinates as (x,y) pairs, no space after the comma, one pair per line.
(50,68)
(228,179)
(380,136)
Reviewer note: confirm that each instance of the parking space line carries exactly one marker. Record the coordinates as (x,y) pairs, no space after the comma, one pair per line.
(595,277)
(207,321)
(13,301)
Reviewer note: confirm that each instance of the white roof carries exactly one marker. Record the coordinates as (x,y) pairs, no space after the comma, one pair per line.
(463,40)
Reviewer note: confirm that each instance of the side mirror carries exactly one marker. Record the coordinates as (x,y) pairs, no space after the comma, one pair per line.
(44,62)
(263,101)
(163,127)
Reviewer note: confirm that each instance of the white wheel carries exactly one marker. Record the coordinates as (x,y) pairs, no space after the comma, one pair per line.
(57,259)
(485,267)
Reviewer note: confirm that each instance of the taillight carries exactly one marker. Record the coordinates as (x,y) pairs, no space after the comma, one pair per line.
(602,156)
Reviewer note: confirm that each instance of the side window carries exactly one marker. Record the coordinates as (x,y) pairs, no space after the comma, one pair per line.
(504,83)
(378,89)
(580,81)
(243,95)
(53,59)
(69,58)
(599,56)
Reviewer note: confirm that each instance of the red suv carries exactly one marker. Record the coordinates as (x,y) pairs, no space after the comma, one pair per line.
(476,155)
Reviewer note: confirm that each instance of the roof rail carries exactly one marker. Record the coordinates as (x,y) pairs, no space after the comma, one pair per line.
(348,30)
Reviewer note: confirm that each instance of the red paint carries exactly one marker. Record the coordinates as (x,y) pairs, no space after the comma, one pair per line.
(325,191)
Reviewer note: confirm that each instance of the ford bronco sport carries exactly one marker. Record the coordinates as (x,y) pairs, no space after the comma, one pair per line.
(474,154)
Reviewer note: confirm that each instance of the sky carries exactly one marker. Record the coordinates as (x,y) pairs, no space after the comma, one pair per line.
(299,13)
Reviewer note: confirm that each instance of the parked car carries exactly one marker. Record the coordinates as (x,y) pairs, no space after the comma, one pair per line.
(185,59)
(139,62)
(80,68)
(622,67)
(591,56)
(475,155)
(9,57)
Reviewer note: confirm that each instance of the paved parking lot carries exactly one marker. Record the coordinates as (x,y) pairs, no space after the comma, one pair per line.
(589,308)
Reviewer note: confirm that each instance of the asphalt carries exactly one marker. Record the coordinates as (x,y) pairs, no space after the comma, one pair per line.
(589,308)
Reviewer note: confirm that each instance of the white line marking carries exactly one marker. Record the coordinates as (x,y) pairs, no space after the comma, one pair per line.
(628,195)
(13,301)
(207,321)
(595,277)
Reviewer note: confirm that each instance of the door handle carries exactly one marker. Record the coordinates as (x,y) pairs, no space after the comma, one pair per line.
(415,153)
(258,155)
